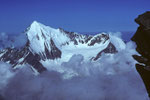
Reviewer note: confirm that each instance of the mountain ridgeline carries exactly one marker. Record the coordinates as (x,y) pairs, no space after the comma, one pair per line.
(45,43)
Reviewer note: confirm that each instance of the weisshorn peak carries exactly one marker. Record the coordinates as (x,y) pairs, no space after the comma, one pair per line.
(46,45)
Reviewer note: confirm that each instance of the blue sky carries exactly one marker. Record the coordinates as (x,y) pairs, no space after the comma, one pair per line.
(72,15)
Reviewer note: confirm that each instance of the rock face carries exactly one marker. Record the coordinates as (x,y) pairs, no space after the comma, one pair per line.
(142,39)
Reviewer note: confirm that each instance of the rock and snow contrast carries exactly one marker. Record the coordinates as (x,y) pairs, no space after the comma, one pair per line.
(48,45)
(54,64)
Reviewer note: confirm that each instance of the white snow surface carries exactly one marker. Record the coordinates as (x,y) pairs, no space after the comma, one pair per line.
(40,37)
(117,42)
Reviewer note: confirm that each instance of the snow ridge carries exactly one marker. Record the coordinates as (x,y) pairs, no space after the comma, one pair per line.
(47,45)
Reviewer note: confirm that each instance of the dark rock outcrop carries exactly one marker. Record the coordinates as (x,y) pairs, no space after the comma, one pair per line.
(85,38)
(54,53)
(22,56)
(110,49)
(98,39)
(142,39)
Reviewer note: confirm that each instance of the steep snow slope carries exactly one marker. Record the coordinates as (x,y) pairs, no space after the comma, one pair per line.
(117,42)
(48,45)
(40,37)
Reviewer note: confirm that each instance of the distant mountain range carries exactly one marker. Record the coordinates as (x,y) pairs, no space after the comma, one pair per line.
(125,35)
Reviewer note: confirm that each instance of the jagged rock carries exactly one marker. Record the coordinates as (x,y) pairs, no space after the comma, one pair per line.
(110,49)
(144,20)
(142,39)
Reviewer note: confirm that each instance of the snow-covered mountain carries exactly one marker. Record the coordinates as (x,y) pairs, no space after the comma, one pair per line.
(46,44)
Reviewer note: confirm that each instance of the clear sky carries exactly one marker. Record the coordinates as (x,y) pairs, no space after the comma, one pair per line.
(72,15)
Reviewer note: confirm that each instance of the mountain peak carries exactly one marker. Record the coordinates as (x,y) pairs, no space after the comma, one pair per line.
(40,37)
(35,23)
(37,29)
(45,44)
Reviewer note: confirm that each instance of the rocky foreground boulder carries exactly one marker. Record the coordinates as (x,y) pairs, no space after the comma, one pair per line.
(142,40)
